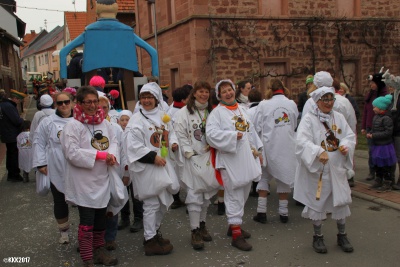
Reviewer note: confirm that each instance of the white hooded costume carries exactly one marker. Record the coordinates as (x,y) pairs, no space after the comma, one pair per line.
(152,184)
(311,142)
(234,158)
(47,149)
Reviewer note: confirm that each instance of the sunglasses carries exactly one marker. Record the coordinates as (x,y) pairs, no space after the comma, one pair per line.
(65,102)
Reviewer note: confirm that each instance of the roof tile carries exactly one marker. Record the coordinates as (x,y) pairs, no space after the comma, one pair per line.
(126,6)
(76,22)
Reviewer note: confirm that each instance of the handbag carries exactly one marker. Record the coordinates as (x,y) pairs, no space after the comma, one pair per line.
(42,184)
(203,174)
(119,194)
(341,191)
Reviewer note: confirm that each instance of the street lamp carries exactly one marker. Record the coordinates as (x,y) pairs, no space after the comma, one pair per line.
(153,11)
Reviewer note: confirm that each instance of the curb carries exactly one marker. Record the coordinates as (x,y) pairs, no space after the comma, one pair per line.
(376,200)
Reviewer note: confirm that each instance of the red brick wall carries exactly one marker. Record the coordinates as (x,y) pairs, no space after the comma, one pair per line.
(200,53)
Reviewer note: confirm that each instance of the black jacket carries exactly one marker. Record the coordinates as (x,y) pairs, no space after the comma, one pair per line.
(382,130)
(10,121)
(74,70)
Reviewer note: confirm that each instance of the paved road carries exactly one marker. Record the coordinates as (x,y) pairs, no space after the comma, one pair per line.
(28,229)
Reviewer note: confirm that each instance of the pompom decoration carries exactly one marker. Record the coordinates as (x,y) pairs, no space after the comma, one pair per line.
(164,150)
(166,118)
(70,90)
(114,94)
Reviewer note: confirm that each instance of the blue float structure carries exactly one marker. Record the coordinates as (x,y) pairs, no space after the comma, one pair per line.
(109,43)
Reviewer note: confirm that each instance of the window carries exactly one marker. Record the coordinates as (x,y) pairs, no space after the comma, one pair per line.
(171,11)
(274,7)
(275,68)
(349,8)
(46,59)
(4,54)
(350,76)
(150,17)
(174,78)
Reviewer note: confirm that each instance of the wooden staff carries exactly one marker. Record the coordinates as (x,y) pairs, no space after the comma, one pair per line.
(121,94)
(319,187)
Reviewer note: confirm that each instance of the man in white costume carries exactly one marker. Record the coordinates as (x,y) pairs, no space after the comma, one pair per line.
(230,131)
(198,172)
(275,122)
(325,148)
(150,139)
(90,147)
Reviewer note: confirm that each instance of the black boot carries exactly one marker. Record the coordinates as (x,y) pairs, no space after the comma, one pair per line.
(221,208)
(260,217)
(377,183)
(318,244)
(344,243)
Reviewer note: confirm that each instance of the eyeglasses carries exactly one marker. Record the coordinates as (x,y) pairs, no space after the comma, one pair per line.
(147,97)
(65,102)
(327,100)
(89,102)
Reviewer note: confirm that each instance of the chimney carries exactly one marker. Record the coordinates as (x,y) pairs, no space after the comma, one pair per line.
(33,32)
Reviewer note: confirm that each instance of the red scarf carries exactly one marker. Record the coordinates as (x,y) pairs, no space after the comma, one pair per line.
(279,91)
(178,104)
(79,115)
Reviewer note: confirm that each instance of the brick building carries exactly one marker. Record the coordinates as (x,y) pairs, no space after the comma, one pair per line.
(12,29)
(259,39)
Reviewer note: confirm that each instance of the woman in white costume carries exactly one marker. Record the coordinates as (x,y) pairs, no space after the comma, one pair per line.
(275,121)
(325,148)
(230,131)
(190,126)
(90,147)
(149,139)
(49,158)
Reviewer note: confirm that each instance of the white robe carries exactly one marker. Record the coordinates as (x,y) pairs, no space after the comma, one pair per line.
(24,152)
(37,118)
(310,135)
(275,121)
(86,179)
(138,136)
(341,105)
(235,156)
(191,140)
(47,149)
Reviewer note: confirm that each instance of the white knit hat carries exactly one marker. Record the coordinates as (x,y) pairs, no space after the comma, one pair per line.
(323,78)
(154,89)
(125,112)
(221,81)
(46,101)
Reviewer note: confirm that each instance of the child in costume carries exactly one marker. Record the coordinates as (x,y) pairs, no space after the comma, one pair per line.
(25,151)
(383,155)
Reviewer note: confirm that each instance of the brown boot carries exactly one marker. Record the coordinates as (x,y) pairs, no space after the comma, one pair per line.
(111,245)
(197,239)
(204,232)
(88,263)
(154,247)
(244,233)
(241,243)
(102,256)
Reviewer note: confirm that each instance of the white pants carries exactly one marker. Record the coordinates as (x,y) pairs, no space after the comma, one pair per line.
(153,213)
(234,199)
(266,179)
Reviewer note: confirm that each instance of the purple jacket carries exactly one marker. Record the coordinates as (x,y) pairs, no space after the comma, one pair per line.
(368,113)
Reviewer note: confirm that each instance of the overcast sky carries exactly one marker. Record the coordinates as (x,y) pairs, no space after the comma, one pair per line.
(33,12)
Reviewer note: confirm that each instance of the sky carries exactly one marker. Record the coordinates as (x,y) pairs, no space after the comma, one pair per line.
(33,12)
